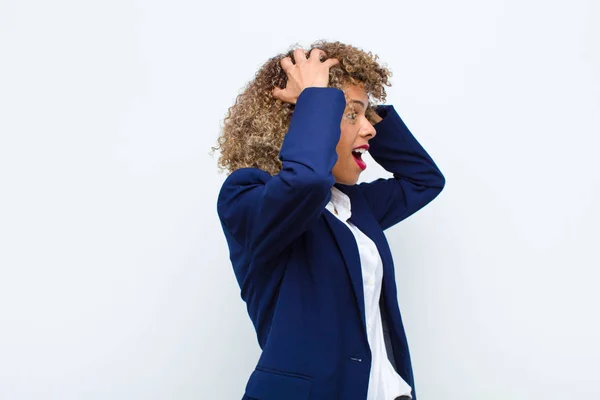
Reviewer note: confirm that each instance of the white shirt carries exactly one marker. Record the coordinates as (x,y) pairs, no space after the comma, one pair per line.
(384,381)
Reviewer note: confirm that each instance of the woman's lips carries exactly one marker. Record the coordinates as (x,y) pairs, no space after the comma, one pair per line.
(357,155)
(361,164)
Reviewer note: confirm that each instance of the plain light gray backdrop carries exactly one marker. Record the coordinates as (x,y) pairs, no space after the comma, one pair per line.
(115,281)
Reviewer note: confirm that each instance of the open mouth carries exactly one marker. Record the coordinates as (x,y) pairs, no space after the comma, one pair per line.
(357,155)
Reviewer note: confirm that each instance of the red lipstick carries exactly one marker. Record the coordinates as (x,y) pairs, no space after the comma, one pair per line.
(357,155)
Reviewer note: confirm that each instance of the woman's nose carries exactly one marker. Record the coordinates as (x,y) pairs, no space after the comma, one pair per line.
(369,131)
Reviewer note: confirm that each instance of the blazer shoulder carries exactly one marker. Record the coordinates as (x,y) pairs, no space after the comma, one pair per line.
(244,177)
(240,180)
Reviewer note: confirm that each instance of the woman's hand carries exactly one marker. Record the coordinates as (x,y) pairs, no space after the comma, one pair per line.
(304,73)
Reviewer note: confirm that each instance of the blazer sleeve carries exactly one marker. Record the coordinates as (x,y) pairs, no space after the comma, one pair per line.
(265,213)
(416,178)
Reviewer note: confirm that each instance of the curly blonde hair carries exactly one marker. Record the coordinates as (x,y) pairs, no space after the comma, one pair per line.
(254,127)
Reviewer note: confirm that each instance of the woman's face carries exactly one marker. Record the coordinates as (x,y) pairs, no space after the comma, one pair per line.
(356,131)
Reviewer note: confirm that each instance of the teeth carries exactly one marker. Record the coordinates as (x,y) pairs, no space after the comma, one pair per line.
(361,151)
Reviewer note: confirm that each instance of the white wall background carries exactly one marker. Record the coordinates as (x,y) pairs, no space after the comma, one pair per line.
(115,281)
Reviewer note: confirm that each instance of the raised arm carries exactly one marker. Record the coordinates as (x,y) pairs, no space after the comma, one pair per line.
(416,178)
(265,214)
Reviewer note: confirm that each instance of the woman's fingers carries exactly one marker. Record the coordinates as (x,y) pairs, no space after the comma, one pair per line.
(316,53)
(303,73)
(330,62)
(277,92)
(286,63)
(282,95)
(299,56)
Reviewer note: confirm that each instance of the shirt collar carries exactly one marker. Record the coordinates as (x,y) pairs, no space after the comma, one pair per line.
(341,201)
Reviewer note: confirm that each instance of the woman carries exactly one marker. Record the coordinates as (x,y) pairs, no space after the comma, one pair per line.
(306,241)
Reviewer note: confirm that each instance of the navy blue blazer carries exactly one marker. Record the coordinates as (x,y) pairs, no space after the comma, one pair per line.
(298,266)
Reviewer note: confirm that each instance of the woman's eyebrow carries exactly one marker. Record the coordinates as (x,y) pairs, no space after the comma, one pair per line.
(359,102)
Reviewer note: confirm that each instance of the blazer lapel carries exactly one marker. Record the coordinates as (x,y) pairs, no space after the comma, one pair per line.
(363,219)
(349,249)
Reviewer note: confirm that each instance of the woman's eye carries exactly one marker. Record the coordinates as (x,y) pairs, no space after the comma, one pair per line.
(351,115)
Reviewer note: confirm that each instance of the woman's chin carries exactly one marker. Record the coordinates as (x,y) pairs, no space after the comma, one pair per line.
(346,180)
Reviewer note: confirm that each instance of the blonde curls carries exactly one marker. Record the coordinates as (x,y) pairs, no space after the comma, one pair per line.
(254,127)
